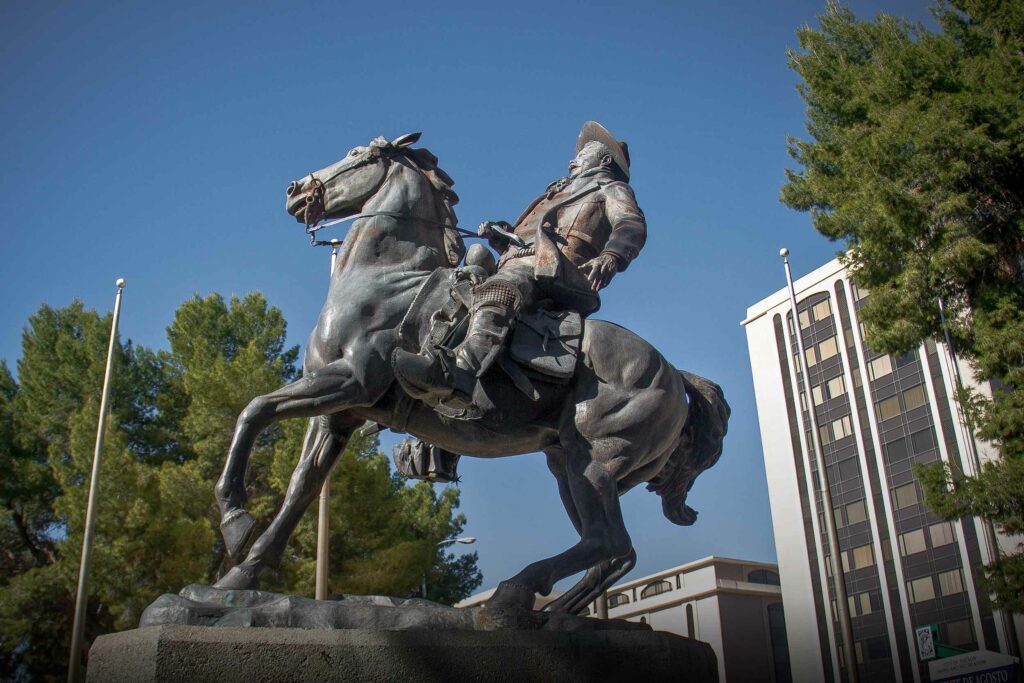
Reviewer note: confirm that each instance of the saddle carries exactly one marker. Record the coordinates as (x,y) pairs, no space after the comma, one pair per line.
(544,344)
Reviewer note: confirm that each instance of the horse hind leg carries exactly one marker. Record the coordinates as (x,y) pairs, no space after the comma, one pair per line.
(326,438)
(593,489)
(597,580)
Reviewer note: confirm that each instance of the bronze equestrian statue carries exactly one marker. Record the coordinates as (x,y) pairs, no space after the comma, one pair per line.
(603,405)
(571,241)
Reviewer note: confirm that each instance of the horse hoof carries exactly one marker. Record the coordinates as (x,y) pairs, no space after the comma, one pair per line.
(512,595)
(237,528)
(239,578)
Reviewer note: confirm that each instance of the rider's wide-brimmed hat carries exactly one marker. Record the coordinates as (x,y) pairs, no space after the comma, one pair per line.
(593,131)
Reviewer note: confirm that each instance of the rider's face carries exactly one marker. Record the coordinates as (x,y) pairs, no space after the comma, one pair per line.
(591,156)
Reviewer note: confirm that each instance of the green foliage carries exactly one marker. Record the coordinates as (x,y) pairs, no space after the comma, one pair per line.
(173,412)
(916,161)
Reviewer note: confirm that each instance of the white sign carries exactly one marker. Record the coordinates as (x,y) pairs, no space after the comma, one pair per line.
(974,667)
(925,643)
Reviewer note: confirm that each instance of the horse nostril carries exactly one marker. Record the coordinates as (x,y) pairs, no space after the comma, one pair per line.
(293,187)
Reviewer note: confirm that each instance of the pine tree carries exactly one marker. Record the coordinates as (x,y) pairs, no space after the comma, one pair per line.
(916,161)
(173,412)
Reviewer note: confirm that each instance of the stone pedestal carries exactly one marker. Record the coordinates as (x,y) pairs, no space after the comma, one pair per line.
(180,654)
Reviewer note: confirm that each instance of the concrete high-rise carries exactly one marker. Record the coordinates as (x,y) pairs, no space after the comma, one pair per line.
(877,416)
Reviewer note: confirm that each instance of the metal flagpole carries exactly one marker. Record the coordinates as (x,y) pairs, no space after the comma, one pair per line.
(323,540)
(78,629)
(838,572)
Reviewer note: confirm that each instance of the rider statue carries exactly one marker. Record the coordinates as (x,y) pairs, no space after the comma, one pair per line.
(567,245)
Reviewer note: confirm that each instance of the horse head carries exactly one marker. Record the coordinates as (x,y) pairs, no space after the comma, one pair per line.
(344,188)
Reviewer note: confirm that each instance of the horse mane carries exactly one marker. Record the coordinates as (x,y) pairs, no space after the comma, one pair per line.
(426,162)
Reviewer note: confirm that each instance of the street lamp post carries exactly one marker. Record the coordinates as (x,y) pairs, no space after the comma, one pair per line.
(465,540)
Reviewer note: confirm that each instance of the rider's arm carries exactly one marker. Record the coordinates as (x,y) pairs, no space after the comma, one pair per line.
(629,228)
(497,241)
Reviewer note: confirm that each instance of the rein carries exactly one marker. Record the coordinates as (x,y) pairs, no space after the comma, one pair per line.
(311,230)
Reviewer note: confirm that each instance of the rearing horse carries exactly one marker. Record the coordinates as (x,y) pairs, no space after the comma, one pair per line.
(627,416)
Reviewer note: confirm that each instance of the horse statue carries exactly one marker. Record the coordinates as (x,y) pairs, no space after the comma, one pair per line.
(625,417)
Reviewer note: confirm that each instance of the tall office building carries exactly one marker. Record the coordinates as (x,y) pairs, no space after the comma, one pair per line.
(877,416)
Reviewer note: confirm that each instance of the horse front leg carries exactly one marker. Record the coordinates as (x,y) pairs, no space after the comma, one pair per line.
(330,389)
(325,440)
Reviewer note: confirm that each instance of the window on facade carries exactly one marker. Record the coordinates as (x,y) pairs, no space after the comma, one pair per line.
(822,310)
(906,359)
(880,367)
(887,408)
(805,319)
(836,387)
(690,627)
(921,589)
(837,514)
(618,599)
(827,349)
(896,450)
(765,576)
(941,533)
(886,550)
(912,542)
(905,496)
(803,402)
(655,588)
(861,557)
(812,357)
(914,397)
(959,634)
(951,583)
(923,440)
(861,604)
(856,512)
(825,435)
(842,428)
(818,395)
(848,469)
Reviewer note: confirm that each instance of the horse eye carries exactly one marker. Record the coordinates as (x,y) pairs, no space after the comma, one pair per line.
(353,152)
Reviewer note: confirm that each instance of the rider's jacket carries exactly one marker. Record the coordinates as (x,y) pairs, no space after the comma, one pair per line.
(571,223)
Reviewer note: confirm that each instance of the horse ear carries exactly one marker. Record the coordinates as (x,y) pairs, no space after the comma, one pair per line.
(405,140)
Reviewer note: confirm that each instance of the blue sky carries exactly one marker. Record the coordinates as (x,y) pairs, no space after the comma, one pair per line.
(154,141)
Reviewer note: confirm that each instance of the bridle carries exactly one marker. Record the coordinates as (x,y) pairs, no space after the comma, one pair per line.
(318,194)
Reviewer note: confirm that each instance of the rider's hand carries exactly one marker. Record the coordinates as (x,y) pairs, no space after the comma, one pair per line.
(600,270)
(495,239)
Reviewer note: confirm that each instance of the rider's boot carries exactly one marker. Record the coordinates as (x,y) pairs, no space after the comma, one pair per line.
(435,376)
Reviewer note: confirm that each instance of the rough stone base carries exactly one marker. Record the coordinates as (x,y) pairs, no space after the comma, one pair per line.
(180,654)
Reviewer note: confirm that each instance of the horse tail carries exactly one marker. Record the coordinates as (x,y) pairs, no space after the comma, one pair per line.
(698,448)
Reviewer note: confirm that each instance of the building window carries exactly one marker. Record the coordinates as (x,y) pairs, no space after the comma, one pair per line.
(812,357)
(912,542)
(896,450)
(864,603)
(941,533)
(914,397)
(825,434)
(764,576)
(836,387)
(905,496)
(827,349)
(655,588)
(959,634)
(805,319)
(887,408)
(822,310)
(818,394)
(920,590)
(842,428)
(848,469)
(923,440)
(691,628)
(880,367)
(618,599)
(859,558)
(856,512)
(951,583)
